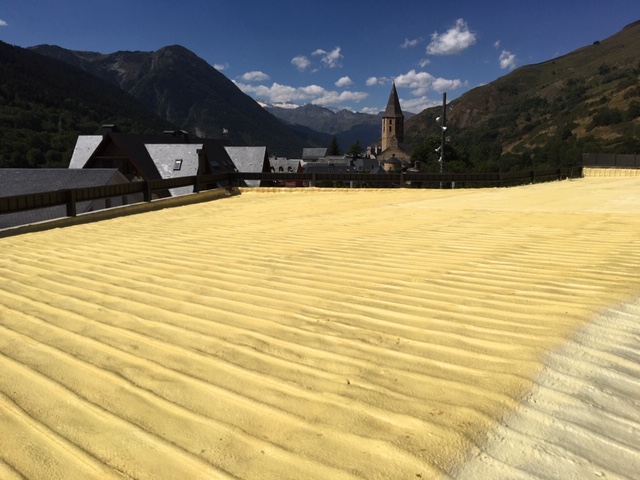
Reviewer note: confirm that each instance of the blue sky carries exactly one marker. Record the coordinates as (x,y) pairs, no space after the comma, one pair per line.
(342,54)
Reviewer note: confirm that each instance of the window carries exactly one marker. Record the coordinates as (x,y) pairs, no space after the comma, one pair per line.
(178,164)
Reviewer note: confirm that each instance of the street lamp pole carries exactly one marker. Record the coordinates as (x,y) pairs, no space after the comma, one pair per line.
(443,128)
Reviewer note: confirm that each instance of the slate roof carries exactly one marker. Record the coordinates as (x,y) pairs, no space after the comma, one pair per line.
(153,156)
(85,146)
(286,164)
(367,165)
(310,154)
(217,155)
(18,181)
(328,168)
(135,148)
(174,161)
(249,159)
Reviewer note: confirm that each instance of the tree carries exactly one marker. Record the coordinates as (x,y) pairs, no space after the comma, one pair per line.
(35,157)
(456,158)
(606,116)
(425,154)
(355,150)
(633,111)
(334,149)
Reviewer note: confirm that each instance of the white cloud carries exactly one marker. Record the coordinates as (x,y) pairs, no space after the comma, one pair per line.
(423,82)
(301,62)
(255,76)
(443,84)
(424,62)
(3,23)
(276,93)
(454,40)
(417,105)
(373,81)
(220,66)
(330,59)
(335,98)
(413,79)
(507,60)
(288,106)
(344,82)
(371,110)
(496,44)
(315,94)
(411,43)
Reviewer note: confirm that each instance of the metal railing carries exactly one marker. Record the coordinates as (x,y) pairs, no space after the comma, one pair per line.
(611,160)
(70,197)
(404,178)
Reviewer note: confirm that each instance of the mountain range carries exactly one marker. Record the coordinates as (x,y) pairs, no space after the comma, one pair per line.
(187,91)
(347,126)
(179,86)
(587,100)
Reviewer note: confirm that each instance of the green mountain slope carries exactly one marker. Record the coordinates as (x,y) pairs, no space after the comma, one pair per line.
(46,104)
(549,113)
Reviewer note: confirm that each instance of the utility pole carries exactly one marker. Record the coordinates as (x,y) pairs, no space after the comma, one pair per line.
(443,128)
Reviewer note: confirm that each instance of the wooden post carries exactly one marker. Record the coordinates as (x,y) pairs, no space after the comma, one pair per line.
(147,192)
(71,203)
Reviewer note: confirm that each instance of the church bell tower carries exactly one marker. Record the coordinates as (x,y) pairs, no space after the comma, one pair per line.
(392,122)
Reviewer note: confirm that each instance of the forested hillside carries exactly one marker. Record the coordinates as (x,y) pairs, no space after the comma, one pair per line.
(45,104)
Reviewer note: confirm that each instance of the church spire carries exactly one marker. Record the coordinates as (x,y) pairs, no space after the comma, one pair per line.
(392,121)
(393,105)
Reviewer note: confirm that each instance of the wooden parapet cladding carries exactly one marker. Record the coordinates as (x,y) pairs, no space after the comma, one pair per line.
(155,189)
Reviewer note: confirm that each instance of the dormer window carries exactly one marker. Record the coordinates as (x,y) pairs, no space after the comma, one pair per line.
(177,165)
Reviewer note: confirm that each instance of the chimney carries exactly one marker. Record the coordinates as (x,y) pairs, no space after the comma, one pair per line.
(178,133)
(109,128)
(202,162)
